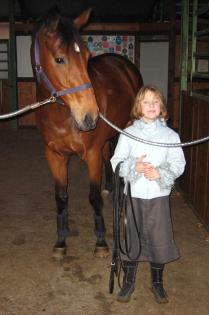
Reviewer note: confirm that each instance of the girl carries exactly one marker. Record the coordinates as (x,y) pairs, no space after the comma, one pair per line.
(151,171)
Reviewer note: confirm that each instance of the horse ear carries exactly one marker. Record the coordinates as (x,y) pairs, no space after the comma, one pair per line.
(53,26)
(52,23)
(82,19)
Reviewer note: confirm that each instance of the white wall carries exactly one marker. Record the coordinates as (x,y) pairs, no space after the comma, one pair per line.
(23,44)
(154,64)
(24,68)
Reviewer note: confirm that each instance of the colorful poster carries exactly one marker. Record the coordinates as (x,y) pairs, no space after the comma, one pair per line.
(119,44)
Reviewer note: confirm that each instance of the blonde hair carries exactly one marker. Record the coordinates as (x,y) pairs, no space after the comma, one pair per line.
(137,110)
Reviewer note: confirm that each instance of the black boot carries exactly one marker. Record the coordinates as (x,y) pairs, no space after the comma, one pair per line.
(129,268)
(157,283)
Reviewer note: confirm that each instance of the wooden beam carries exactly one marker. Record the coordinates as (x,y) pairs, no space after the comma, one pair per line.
(147,28)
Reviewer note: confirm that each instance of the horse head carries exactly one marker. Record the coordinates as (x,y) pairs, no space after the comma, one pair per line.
(60,60)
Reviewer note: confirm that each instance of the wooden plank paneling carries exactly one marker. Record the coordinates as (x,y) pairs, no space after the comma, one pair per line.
(4,102)
(202,157)
(207,194)
(176,100)
(186,135)
(194,182)
(26,96)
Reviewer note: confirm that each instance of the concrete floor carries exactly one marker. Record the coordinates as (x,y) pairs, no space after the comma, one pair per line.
(32,284)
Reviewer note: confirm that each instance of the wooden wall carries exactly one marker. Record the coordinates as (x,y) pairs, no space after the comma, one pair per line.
(4,102)
(174,107)
(195,181)
(26,96)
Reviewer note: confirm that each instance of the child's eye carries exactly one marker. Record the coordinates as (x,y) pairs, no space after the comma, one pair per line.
(156,102)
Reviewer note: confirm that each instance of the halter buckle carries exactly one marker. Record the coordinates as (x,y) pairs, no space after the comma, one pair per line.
(38,68)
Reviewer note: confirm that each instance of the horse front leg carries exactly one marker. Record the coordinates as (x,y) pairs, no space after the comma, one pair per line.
(94,163)
(58,164)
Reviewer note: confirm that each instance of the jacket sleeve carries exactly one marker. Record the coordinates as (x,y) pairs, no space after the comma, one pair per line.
(173,167)
(122,154)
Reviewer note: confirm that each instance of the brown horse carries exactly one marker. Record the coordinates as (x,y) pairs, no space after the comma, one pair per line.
(83,87)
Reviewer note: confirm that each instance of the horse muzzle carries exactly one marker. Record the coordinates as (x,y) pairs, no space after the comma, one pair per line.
(88,123)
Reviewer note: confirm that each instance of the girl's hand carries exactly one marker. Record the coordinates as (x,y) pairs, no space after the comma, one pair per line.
(151,173)
(140,166)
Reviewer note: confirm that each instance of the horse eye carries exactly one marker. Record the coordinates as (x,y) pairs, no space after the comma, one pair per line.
(76,47)
(59,60)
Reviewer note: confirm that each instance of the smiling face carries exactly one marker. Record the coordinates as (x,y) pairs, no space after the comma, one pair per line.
(150,106)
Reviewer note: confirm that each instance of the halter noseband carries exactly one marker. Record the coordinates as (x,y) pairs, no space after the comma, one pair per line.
(41,75)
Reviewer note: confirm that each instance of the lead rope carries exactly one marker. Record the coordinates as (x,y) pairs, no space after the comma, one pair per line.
(119,202)
(128,242)
(53,99)
(158,144)
(115,245)
(27,108)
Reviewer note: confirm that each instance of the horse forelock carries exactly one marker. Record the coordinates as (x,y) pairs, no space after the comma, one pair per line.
(66,31)
(63,27)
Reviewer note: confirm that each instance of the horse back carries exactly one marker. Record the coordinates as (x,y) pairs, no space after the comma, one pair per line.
(112,71)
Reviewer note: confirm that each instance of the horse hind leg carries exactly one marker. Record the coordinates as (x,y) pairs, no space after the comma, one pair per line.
(94,162)
(58,165)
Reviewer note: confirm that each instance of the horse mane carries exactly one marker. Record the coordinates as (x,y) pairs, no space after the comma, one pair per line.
(55,21)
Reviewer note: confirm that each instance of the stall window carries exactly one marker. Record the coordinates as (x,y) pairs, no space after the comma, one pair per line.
(4,63)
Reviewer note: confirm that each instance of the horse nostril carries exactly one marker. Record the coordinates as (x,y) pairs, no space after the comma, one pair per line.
(89,123)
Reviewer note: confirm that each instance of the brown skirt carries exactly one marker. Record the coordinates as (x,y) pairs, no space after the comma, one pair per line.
(152,240)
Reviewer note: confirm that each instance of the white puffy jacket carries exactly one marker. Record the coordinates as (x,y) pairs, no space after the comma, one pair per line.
(169,161)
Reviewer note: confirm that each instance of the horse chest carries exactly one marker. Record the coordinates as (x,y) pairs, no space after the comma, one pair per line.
(68,145)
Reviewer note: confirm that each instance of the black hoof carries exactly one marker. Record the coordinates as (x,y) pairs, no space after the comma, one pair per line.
(59,251)
(101,250)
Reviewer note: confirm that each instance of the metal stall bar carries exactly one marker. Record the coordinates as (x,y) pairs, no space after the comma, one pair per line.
(184,52)
(184,44)
(194,42)
(197,18)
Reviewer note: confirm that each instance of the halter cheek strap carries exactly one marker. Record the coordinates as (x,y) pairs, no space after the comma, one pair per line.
(40,74)
(73,89)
